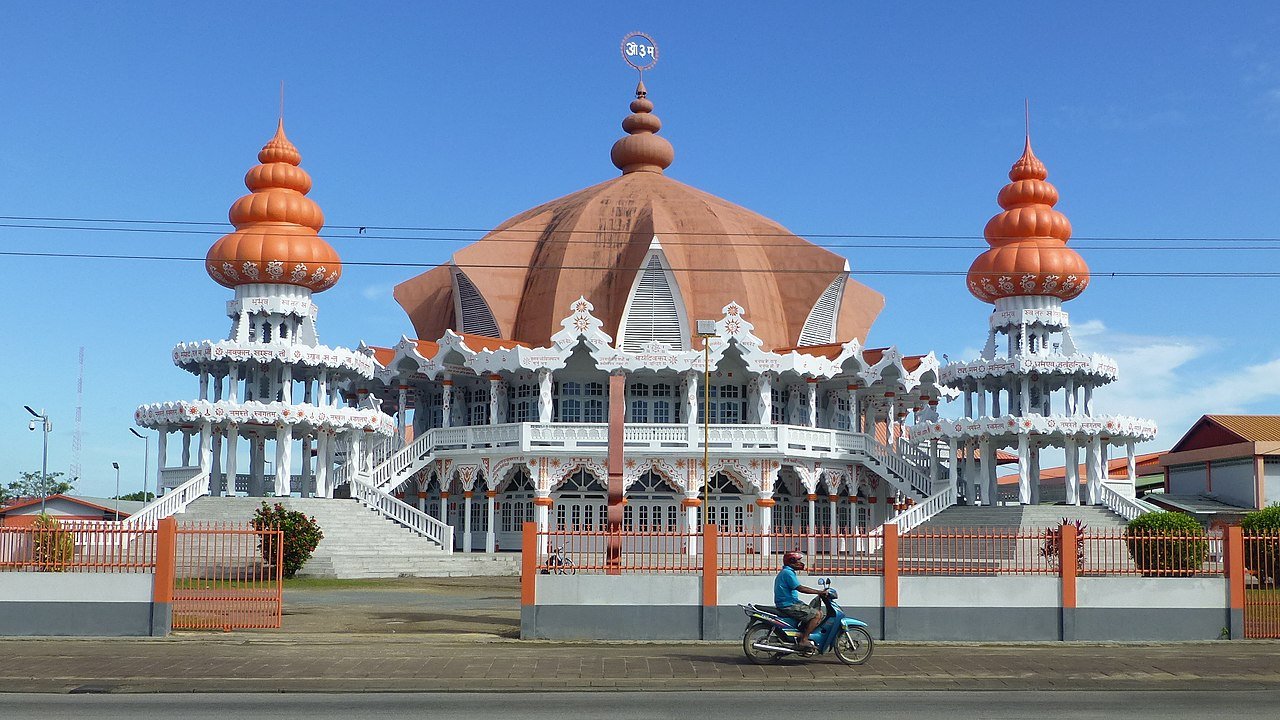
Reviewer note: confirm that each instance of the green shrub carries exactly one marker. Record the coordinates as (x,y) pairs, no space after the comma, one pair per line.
(51,548)
(301,535)
(1262,543)
(1183,553)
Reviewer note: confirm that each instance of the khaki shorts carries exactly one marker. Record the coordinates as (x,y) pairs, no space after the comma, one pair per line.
(800,612)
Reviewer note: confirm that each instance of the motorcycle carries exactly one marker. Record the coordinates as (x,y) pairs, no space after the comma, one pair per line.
(769,636)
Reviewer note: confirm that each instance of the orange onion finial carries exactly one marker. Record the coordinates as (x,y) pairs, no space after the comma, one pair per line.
(277,236)
(642,150)
(1028,239)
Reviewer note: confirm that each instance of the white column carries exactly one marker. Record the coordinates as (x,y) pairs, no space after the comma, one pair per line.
(691,406)
(1034,472)
(233,439)
(497,400)
(1024,471)
(968,403)
(764,401)
(691,505)
(544,397)
(466,521)
(993,490)
(995,399)
(256,451)
(325,398)
(206,447)
(765,506)
(1070,406)
(971,469)
(1073,472)
(832,526)
(324,461)
(855,410)
(812,389)
(284,446)
(204,384)
(540,516)
(402,401)
(215,466)
(446,403)
(233,383)
(1093,471)
(953,467)
(935,466)
(983,460)
(286,385)
(982,400)
(813,523)
(305,473)
(186,448)
(1088,400)
(490,538)
(1024,396)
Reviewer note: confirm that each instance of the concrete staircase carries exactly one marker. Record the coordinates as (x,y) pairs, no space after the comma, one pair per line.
(1010,517)
(358,542)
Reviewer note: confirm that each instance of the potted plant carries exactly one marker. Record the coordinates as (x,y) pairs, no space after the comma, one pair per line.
(1051,547)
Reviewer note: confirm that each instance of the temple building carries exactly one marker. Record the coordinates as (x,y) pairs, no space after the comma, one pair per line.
(270,382)
(1032,388)
(736,341)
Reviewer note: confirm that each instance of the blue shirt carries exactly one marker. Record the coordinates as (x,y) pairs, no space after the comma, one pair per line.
(784,588)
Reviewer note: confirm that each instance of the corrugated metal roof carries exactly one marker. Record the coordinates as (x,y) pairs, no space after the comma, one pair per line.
(1253,428)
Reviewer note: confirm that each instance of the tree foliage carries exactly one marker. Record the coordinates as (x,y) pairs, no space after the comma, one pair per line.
(51,547)
(31,485)
(301,535)
(1167,543)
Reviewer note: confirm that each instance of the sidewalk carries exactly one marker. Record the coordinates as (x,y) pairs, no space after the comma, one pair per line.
(233,662)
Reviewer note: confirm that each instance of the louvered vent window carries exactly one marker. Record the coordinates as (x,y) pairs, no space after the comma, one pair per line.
(820,328)
(473,310)
(653,312)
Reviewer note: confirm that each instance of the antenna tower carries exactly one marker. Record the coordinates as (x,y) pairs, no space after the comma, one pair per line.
(75,439)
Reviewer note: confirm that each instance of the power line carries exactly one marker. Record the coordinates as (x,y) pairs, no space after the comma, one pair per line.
(24,222)
(615,268)
(669,243)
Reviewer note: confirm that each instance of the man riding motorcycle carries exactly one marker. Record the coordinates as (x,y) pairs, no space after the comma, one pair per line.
(786,589)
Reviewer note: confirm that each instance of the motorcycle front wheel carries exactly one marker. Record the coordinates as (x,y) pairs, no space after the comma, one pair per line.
(759,633)
(854,646)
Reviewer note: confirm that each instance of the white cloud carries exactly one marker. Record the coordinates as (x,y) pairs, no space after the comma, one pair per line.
(1176,379)
(376,292)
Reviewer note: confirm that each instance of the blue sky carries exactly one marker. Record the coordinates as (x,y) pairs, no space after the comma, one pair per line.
(1156,120)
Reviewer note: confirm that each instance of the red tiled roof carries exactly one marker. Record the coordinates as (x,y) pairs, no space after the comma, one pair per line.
(1250,428)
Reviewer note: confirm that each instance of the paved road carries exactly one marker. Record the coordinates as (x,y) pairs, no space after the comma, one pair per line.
(1176,705)
(428,663)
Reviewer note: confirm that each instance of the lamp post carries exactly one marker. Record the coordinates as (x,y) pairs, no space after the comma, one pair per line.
(116,465)
(43,417)
(706,331)
(146,451)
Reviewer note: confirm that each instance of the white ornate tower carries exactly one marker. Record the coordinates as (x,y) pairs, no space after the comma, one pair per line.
(270,382)
(1032,388)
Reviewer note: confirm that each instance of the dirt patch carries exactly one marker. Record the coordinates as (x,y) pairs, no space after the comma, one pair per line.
(436,606)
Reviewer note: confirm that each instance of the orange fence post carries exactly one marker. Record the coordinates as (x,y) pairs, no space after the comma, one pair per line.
(166,560)
(529,564)
(1068,570)
(889,623)
(1235,581)
(710,567)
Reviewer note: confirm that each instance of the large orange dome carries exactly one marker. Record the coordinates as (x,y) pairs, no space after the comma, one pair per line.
(595,242)
(277,237)
(1029,253)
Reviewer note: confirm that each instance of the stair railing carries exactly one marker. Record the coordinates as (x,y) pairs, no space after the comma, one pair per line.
(171,503)
(1125,507)
(408,459)
(402,513)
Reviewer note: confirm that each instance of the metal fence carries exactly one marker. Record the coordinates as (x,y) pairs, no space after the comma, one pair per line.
(934,551)
(78,546)
(1261,585)
(227,577)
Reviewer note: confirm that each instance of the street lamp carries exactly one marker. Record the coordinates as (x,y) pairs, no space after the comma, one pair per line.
(116,465)
(43,417)
(146,452)
(706,331)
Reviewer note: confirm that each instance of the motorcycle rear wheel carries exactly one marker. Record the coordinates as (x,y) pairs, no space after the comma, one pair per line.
(759,633)
(854,646)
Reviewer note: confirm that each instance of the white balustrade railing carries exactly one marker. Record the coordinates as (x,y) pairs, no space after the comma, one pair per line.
(408,460)
(403,513)
(920,513)
(172,477)
(1126,507)
(171,503)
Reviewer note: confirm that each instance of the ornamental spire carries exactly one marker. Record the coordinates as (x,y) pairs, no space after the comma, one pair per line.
(642,150)
(1029,253)
(277,237)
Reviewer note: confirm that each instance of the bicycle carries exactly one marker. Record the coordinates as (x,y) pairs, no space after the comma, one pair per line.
(559,563)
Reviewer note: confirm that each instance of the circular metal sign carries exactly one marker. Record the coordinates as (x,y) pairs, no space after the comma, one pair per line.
(640,51)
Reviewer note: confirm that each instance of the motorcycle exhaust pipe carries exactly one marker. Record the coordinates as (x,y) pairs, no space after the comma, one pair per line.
(773,648)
